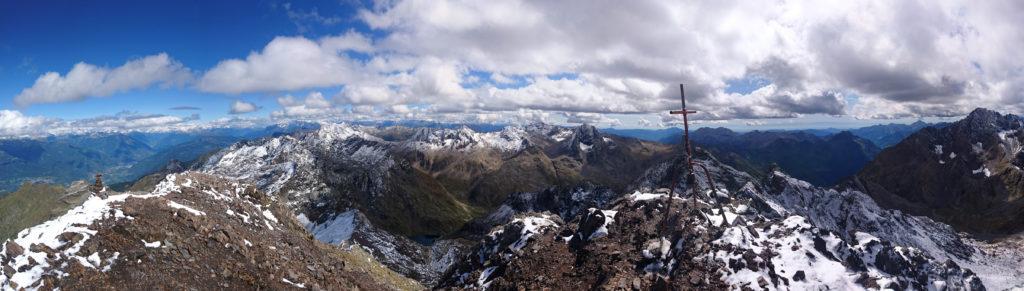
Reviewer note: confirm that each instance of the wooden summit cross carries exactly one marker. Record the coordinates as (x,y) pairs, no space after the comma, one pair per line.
(686,129)
(691,179)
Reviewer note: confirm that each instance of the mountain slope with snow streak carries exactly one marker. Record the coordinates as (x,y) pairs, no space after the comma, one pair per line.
(193,231)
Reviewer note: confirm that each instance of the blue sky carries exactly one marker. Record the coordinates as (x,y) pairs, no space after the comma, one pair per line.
(42,36)
(798,64)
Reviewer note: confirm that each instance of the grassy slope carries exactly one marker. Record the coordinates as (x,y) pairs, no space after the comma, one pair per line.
(33,204)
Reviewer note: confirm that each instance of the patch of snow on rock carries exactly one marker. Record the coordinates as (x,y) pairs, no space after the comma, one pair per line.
(177,205)
(982,170)
(609,217)
(155,244)
(76,220)
(585,147)
(336,230)
(531,225)
(637,196)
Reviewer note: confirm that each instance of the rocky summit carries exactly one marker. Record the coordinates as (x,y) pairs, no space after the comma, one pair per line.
(742,237)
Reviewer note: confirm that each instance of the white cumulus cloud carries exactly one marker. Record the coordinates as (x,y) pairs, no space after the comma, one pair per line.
(87,80)
(312,106)
(241,107)
(288,63)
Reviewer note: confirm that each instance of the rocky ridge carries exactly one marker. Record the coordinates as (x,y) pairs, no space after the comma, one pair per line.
(774,234)
(194,231)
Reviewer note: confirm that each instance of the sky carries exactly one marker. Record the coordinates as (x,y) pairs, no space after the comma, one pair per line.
(71,66)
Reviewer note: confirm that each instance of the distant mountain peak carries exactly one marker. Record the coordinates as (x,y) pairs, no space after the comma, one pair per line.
(846,134)
(982,116)
(715,130)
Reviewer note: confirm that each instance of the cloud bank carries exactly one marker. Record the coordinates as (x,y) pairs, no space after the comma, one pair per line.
(583,60)
(14,124)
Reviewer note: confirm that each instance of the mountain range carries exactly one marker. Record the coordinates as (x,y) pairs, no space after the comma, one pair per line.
(823,161)
(121,157)
(882,135)
(345,206)
(967,174)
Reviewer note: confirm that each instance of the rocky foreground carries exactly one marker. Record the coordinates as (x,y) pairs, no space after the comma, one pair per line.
(705,246)
(193,232)
(747,238)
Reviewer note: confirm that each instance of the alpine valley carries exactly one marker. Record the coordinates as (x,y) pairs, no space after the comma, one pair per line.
(341,206)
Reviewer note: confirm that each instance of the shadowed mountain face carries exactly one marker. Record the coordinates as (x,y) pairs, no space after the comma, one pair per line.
(967,174)
(823,161)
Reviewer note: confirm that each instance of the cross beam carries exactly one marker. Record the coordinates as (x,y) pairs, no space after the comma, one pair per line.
(686,126)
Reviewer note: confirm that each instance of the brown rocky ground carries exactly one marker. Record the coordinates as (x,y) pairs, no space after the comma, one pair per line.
(570,256)
(208,234)
(722,241)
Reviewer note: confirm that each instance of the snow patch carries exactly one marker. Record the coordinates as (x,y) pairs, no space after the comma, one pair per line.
(585,147)
(982,170)
(531,225)
(296,285)
(336,230)
(76,220)
(269,215)
(561,135)
(483,281)
(977,148)
(797,253)
(609,217)
(176,205)
(155,244)
(637,196)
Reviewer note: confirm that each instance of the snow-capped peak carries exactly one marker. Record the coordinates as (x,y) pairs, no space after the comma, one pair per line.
(330,132)
(509,139)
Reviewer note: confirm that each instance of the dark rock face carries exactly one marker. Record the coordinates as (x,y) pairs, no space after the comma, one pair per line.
(967,174)
(589,225)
